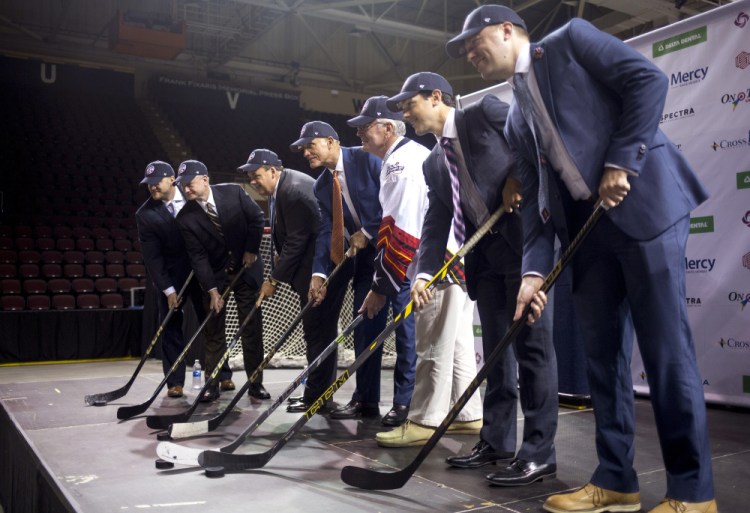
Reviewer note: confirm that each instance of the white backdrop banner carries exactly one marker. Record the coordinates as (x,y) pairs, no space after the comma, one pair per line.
(707,115)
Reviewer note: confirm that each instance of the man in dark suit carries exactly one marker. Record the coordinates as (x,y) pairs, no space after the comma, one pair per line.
(167,263)
(465,173)
(295,222)
(223,227)
(355,176)
(586,122)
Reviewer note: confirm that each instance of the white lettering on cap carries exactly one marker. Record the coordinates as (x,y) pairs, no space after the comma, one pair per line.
(150,170)
(487,20)
(182,169)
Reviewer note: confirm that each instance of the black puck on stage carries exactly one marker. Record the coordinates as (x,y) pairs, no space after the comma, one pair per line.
(163,436)
(214,471)
(164,464)
(100,403)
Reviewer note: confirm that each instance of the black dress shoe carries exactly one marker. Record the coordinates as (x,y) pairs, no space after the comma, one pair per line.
(296,399)
(396,416)
(356,409)
(482,454)
(521,472)
(303,406)
(211,394)
(258,391)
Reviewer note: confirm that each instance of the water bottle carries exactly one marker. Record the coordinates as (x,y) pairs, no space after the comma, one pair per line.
(197,381)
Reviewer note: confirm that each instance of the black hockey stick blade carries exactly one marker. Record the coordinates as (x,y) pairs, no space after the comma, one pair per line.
(164,421)
(106,397)
(188,456)
(127,412)
(182,429)
(369,479)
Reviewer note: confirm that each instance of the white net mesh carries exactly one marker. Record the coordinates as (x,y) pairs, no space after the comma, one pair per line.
(278,314)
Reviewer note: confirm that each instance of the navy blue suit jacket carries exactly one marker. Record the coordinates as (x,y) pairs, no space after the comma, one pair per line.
(489,161)
(162,246)
(296,222)
(606,100)
(362,172)
(211,254)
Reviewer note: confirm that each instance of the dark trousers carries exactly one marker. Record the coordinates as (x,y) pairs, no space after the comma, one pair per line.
(529,362)
(616,279)
(251,335)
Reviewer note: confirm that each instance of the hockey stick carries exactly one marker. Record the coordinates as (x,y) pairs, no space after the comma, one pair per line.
(235,462)
(189,456)
(369,479)
(164,421)
(126,412)
(106,397)
(182,429)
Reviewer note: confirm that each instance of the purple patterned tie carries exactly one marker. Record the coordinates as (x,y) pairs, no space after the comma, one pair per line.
(459,228)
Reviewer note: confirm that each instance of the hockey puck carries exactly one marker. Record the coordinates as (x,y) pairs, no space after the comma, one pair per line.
(100,403)
(214,471)
(163,436)
(164,464)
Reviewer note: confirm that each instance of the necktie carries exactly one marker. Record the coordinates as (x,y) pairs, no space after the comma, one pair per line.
(214,217)
(170,208)
(459,228)
(271,216)
(526,103)
(337,223)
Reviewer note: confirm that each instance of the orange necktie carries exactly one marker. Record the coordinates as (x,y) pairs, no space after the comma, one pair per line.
(337,224)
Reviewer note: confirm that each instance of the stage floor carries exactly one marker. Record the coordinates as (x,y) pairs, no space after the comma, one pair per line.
(105,465)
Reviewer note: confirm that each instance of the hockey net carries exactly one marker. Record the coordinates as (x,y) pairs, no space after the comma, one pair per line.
(278,314)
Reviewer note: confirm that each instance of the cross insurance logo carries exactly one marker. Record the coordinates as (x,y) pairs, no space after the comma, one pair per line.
(732,143)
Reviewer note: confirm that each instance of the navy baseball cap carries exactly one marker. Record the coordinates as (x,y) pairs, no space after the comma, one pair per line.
(423,82)
(374,108)
(476,20)
(156,172)
(189,170)
(313,130)
(259,158)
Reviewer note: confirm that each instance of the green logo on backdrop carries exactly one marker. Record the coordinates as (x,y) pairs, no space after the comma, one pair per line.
(680,41)
(702,224)
(746,384)
(477,330)
(743,180)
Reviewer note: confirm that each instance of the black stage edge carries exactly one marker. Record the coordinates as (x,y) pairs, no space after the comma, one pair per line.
(27,484)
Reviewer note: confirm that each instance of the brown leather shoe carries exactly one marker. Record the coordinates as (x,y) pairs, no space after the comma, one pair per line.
(592,499)
(227,384)
(175,391)
(673,506)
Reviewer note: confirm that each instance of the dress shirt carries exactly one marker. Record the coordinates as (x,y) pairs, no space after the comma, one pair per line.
(347,196)
(549,138)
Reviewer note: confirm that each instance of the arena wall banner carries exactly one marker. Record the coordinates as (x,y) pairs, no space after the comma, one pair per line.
(707,114)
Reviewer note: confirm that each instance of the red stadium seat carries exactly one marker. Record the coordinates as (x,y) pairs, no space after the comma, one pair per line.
(63,232)
(38,303)
(85,244)
(83,285)
(13,286)
(136,270)
(6,243)
(58,286)
(66,244)
(45,243)
(100,233)
(94,257)
(34,286)
(104,245)
(42,232)
(118,233)
(88,301)
(6,230)
(52,256)
(104,285)
(7,256)
(114,257)
(80,232)
(123,245)
(115,270)
(95,271)
(8,271)
(24,231)
(73,271)
(13,303)
(26,271)
(63,302)
(51,270)
(28,256)
(127,283)
(73,257)
(134,257)
(112,300)
(24,243)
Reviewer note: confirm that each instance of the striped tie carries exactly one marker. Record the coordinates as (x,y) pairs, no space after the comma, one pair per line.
(214,217)
(459,228)
(337,223)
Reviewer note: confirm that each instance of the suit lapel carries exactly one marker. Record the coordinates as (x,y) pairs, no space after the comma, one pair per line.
(464,141)
(541,73)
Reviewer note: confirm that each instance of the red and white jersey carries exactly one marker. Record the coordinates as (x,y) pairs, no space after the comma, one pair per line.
(403,198)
